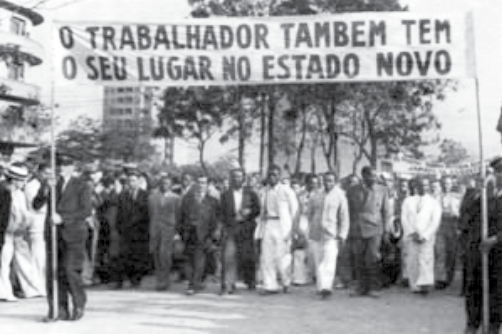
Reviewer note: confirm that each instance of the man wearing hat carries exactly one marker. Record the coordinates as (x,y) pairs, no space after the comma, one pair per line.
(16,250)
(470,226)
(73,206)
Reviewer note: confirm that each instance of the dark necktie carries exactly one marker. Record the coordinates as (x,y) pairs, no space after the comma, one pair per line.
(59,188)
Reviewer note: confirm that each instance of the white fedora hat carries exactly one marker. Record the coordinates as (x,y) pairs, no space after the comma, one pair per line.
(17,172)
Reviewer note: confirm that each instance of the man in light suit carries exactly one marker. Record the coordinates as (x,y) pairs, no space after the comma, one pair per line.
(280,207)
(240,206)
(370,216)
(164,211)
(73,206)
(328,218)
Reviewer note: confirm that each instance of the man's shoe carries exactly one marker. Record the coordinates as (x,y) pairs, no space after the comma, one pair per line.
(470,330)
(268,292)
(358,293)
(374,294)
(252,286)
(190,292)
(325,294)
(285,289)
(78,313)
(116,286)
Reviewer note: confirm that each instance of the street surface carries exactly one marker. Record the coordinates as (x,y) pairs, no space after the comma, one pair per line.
(147,311)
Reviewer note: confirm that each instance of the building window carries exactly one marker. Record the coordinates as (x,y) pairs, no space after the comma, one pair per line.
(130,89)
(128,111)
(120,100)
(120,90)
(129,99)
(16,72)
(17,26)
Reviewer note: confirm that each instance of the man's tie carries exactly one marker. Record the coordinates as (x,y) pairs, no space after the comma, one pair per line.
(420,203)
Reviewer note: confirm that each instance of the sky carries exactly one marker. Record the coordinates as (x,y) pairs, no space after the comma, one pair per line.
(457,113)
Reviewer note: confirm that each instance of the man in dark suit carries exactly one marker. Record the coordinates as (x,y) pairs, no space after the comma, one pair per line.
(5,201)
(199,217)
(133,227)
(471,229)
(240,206)
(370,216)
(73,206)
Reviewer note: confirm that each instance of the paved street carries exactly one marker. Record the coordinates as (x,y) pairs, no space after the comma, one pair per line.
(148,311)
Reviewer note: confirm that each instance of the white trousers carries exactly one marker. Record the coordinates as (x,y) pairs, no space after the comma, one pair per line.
(276,257)
(17,252)
(39,261)
(421,265)
(325,254)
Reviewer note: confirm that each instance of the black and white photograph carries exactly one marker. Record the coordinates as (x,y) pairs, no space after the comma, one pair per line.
(250,166)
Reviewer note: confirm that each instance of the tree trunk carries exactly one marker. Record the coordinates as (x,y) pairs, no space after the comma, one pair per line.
(271,113)
(263,124)
(242,136)
(301,144)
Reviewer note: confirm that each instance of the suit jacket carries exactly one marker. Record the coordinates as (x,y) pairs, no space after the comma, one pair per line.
(370,212)
(132,217)
(328,215)
(5,203)
(164,211)
(245,227)
(202,216)
(73,204)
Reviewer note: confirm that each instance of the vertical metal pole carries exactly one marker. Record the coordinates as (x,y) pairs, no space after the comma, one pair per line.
(484,221)
(54,249)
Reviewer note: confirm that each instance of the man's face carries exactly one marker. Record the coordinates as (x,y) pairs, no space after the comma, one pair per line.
(165,185)
(329,182)
(186,180)
(313,183)
(202,184)
(498,177)
(448,185)
(273,177)
(436,188)
(67,170)
(237,179)
(403,187)
(422,187)
(133,181)
(426,185)
(44,174)
(369,177)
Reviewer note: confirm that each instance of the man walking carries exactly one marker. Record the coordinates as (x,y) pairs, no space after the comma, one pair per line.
(446,238)
(133,228)
(328,218)
(199,217)
(164,211)
(370,216)
(280,207)
(421,216)
(73,206)
(239,206)
(471,230)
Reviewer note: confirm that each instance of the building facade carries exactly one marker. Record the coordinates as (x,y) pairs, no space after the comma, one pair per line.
(18,52)
(132,110)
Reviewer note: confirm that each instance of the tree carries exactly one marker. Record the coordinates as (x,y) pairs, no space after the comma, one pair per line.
(196,113)
(452,152)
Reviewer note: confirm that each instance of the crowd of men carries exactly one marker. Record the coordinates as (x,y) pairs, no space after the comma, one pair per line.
(358,233)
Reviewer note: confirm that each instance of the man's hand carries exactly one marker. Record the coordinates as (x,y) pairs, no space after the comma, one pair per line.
(341,243)
(488,243)
(56,219)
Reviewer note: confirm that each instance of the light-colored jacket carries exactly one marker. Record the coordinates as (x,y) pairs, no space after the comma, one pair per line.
(287,206)
(423,220)
(328,215)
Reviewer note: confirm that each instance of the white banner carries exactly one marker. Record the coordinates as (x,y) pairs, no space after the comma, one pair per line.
(305,49)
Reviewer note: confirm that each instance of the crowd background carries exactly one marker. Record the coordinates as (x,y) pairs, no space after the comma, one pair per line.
(103,249)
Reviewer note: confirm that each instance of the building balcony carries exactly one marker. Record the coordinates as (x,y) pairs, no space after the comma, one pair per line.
(20,49)
(19,92)
(30,14)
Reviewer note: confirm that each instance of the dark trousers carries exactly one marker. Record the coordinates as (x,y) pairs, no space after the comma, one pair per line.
(70,259)
(133,262)
(367,260)
(346,264)
(474,287)
(195,265)
(239,256)
(162,259)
